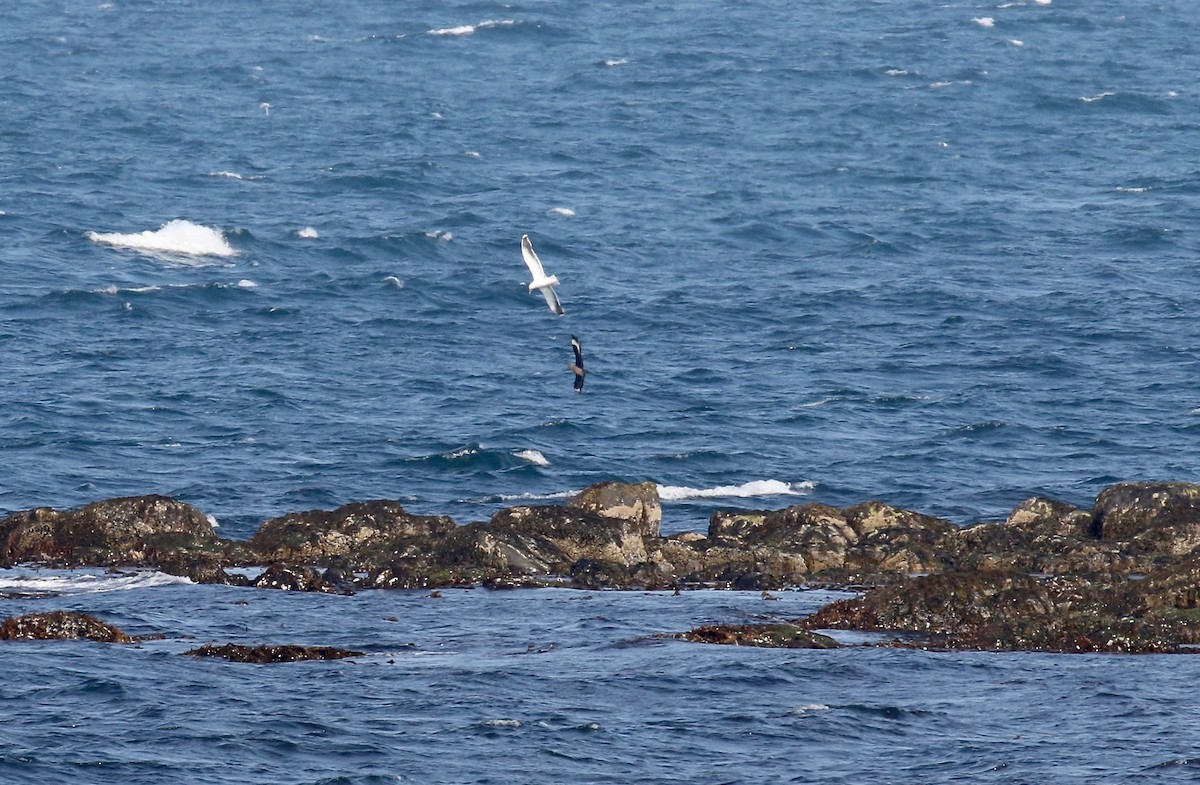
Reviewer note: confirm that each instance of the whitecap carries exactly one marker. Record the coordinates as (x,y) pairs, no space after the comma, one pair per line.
(473,154)
(68,582)
(470,29)
(392,280)
(1098,97)
(565,211)
(212,520)
(984,21)
(308,233)
(502,723)
(1042,2)
(615,62)
(227,175)
(745,490)
(1133,189)
(443,236)
(536,497)
(176,237)
(246,283)
(460,30)
(1017,42)
(533,456)
(809,708)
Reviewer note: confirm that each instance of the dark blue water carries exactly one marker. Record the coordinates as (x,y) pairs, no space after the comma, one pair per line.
(265,259)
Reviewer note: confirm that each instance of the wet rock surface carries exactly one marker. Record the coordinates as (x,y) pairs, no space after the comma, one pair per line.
(1123,575)
(776,636)
(60,625)
(266,654)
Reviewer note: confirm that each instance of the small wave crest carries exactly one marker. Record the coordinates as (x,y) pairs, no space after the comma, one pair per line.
(533,456)
(176,237)
(461,30)
(745,490)
(68,583)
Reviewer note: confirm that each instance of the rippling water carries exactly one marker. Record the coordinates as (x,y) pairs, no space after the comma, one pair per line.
(560,685)
(267,259)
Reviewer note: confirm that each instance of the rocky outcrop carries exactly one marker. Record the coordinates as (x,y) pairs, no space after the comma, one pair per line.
(637,504)
(1012,611)
(1160,517)
(353,531)
(60,625)
(129,530)
(266,654)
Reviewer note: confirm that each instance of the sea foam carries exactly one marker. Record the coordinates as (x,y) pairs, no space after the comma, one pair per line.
(176,237)
(672,493)
(533,456)
(471,29)
(68,582)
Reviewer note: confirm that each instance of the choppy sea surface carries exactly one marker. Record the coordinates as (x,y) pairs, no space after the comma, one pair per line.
(265,258)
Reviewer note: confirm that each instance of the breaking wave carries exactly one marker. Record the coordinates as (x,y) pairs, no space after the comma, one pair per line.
(674,493)
(176,237)
(66,582)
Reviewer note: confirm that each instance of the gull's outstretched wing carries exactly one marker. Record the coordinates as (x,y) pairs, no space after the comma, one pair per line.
(552,299)
(531,259)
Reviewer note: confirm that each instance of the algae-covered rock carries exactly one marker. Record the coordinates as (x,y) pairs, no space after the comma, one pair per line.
(775,636)
(352,531)
(1157,516)
(60,625)
(267,654)
(113,531)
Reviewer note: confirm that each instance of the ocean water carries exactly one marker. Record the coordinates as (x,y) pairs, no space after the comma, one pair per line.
(266,258)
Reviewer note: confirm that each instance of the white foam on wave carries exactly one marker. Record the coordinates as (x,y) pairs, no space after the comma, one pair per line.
(233,175)
(308,233)
(67,582)
(392,280)
(984,21)
(566,211)
(443,236)
(1094,98)
(808,708)
(178,237)
(536,497)
(745,490)
(533,456)
(461,30)
(1133,189)
(1017,42)
(613,62)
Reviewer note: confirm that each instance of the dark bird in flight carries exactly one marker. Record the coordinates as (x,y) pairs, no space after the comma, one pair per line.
(577,366)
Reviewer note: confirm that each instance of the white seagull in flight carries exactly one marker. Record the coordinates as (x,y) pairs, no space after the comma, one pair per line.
(545,283)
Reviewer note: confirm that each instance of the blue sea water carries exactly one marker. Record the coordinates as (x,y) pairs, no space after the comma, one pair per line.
(265,258)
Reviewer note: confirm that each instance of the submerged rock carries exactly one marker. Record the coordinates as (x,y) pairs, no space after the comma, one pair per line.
(60,625)
(777,636)
(265,654)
